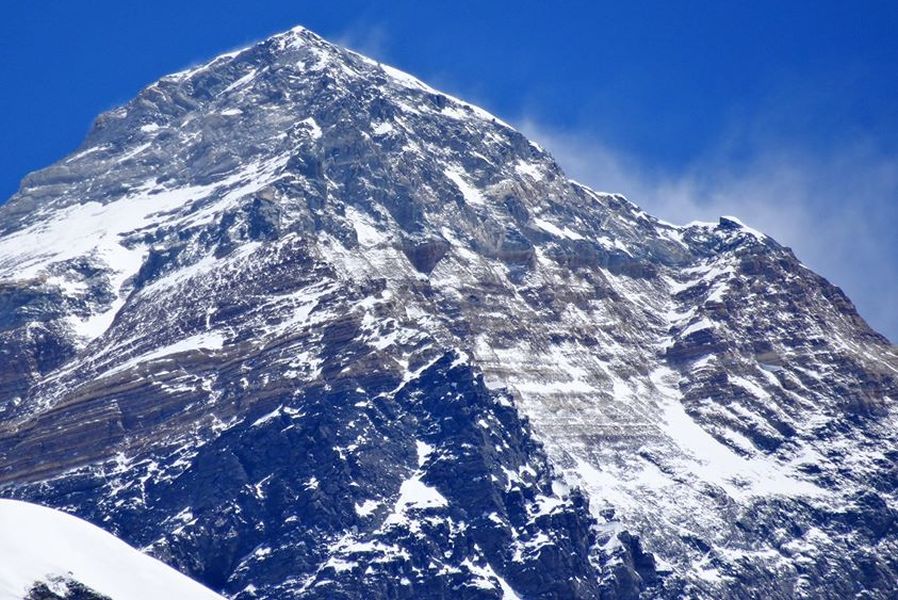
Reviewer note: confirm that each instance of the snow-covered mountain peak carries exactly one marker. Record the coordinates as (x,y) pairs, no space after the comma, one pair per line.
(234,317)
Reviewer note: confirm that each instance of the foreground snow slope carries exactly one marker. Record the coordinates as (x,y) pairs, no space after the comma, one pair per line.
(42,545)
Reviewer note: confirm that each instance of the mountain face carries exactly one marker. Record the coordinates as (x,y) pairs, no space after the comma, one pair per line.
(299,325)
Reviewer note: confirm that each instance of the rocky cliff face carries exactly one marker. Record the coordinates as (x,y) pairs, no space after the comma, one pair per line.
(302,326)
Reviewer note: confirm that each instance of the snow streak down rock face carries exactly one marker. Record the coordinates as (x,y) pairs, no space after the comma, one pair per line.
(244,328)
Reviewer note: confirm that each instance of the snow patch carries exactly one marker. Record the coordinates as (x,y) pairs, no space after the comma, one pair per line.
(314,129)
(715,462)
(531,170)
(557,231)
(382,128)
(488,579)
(209,340)
(366,508)
(471,194)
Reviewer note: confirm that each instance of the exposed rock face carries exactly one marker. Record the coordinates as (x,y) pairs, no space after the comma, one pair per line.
(65,590)
(302,326)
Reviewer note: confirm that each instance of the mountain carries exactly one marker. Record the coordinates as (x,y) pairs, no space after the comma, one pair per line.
(46,554)
(299,325)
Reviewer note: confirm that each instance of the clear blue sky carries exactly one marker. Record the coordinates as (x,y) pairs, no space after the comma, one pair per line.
(785,114)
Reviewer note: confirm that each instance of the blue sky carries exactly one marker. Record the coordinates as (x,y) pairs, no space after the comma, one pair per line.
(785,114)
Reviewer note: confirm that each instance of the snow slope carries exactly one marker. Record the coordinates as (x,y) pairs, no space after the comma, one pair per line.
(39,544)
